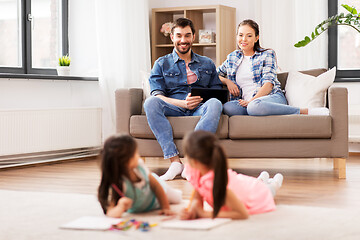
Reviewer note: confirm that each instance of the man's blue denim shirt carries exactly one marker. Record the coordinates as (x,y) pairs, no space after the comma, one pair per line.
(168,76)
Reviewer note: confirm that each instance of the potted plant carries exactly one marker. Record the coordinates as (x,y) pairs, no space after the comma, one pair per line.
(352,19)
(64,66)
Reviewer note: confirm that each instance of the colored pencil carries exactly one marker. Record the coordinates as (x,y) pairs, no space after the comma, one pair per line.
(117,190)
(191,199)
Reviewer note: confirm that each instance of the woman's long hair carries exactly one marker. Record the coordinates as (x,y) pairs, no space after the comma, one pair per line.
(255,26)
(115,156)
(204,147)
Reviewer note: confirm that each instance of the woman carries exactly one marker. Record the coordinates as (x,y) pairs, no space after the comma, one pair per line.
(250,75)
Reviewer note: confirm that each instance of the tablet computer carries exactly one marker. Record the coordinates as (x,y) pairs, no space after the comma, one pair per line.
(207,93)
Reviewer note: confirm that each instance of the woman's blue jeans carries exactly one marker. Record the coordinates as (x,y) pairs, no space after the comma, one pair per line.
(157,110)
(274,104)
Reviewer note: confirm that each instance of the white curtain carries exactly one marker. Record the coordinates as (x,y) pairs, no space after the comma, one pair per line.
(123,50)
(283,23)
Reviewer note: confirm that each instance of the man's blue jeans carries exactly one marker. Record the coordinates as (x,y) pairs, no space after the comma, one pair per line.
(157,110)
(274,104)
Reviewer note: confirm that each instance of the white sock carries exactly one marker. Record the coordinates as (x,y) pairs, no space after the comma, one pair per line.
(264,176)
(275,183)
(278,178)
(174,169)
(174,195)
(319,111)
(183,175)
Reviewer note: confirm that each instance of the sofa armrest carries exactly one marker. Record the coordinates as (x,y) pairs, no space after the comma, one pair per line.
(128,102)
(338,106)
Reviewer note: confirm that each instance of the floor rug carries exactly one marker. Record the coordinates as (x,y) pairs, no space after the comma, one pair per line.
(38,215)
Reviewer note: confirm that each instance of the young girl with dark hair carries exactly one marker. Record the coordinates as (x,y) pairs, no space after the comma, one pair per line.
(231,195)
(250,75)
(127,185)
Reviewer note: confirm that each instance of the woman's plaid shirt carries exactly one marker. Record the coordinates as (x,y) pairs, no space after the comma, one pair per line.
(263,68)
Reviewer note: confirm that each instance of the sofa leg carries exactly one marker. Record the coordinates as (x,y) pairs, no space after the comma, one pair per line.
(336,163)
(340,164)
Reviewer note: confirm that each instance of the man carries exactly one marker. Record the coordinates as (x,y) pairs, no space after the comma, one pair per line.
(171,80)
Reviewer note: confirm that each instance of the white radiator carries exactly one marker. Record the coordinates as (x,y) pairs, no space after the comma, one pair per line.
(28,131)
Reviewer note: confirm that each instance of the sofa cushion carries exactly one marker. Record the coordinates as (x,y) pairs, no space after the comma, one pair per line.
(285,126)
(139,126)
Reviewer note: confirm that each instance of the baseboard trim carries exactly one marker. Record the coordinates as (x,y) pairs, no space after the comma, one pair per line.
(42,158)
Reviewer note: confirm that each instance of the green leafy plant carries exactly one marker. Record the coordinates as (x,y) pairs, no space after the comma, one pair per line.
(352,19)
(64,60)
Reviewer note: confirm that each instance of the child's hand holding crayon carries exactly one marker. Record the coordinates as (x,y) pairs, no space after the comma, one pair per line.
(195,211)
(191,211)
(122,206)
(187,214)
(124,203)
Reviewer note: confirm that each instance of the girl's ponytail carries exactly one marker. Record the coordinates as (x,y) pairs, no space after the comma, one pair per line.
(204,147)
(220,177)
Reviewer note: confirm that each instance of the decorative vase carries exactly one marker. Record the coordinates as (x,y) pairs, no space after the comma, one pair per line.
(63,70)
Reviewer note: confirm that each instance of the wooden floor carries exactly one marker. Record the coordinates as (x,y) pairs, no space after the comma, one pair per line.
(306,181)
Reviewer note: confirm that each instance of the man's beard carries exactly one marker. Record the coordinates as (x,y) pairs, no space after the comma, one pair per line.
(179,49)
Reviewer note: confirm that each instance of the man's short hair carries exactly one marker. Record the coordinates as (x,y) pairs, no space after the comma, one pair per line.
(183,22)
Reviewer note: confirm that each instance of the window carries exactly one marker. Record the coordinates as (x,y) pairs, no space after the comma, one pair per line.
(344,44)
(33,35)
(10,37)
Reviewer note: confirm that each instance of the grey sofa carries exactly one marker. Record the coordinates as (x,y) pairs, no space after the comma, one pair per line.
(287,136)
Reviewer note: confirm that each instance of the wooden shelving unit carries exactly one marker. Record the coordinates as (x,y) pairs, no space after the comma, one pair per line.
(225,27)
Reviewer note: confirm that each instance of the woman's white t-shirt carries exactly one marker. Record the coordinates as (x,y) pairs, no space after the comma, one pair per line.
(244,78)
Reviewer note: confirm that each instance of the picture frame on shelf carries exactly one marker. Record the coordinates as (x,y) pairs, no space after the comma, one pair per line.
(206,36)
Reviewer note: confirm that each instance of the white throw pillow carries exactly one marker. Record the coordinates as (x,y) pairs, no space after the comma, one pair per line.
(305,91)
